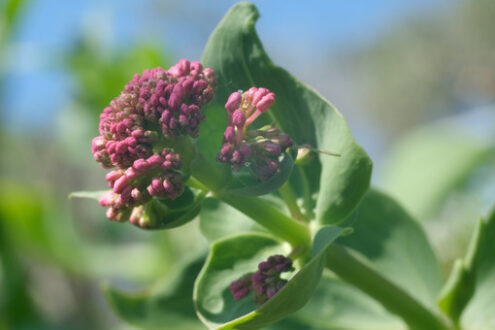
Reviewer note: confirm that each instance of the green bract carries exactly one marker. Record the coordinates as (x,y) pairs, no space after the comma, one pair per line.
(235,52)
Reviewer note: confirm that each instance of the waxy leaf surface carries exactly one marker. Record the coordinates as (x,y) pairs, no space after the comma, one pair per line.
(166,307)
(236,54)
(396,246)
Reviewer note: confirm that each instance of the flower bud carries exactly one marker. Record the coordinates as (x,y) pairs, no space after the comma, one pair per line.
(266,282)
(241,146)
(241,287)
(233,102)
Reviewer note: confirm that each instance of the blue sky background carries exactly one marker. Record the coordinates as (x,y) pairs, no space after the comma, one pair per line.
(293,34)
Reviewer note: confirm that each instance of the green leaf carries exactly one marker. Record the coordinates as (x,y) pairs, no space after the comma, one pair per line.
(235,52)
(218,220)
(479,311)
(168,306)
(236,256)
(247,185)
(460,286)
(93,194)
(167,214)
(337,305)
(426,165)
(396,246)
(162,214)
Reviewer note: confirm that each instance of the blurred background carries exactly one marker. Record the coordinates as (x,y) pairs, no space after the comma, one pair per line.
(415,80)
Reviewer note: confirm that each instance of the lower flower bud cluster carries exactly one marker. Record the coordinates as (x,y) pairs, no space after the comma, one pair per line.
(156,176)
(261,149)
(266,282)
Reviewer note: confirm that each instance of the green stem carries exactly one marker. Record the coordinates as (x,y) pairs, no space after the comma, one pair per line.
(307,201)
(392,297)
(281,225)
(291,201)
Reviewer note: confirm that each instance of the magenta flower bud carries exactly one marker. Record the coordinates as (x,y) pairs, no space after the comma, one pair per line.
(210,76)
(120,184)
(136,215)
(266,102)
(241,288)
(140,165)
(260,148)
(238,118)
(180,69)
(136,194)
(98,143)
(249,96)
(196,66)
(245,151)
(272,148)
(236,157)
(266,281)
(259,94)
(233,102)
(107,198)
(229,134)
(113,175)
(125,196)
(199,86)
(225,150)
(154,161)
(167,185)
(156,187)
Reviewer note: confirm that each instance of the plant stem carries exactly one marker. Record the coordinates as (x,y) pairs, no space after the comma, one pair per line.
(307,202)
(281,225)
(291,202)
(392,297)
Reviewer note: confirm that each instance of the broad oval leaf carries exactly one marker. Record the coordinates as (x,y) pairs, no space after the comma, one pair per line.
(169,214)
(337,305)
(236,54)
(479,311)
(396,246)
(234,257)
(461,283)
(429,163)
(167,306)
(162,214)
(218,219)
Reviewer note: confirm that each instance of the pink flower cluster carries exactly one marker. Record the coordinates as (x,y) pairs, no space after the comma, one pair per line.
(240,146)
(266,282)
(155,107)
(159,104)
(156,176)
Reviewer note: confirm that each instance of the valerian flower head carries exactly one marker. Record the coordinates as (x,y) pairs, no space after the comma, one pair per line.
(266,282)
(153,109)
(260,148)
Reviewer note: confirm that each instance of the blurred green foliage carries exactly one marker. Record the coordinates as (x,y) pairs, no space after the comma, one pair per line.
(53,254)
(429,65)
(100,74)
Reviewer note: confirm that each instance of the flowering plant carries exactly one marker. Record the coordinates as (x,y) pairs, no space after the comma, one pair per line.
(236,137)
